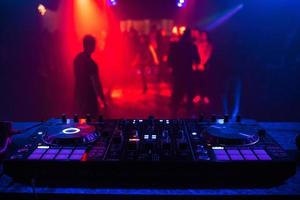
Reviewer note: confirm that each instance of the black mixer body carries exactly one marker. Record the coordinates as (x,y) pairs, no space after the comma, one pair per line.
(151,151)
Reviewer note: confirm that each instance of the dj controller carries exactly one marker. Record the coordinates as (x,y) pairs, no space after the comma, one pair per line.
(140,151)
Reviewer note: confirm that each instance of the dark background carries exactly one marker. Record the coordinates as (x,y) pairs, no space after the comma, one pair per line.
(260,44)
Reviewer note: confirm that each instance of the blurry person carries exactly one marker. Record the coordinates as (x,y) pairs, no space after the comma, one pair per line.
(205,49)
(88,86)
(202,71)
(182,56)
(163,44)
(143,59)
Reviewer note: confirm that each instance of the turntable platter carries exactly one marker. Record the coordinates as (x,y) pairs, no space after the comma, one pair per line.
(66,134)
(232,134)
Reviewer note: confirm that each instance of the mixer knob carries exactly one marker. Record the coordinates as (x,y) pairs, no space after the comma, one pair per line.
(238,118)
(88,118)
(121,123)
(132,146)
(117,140)
(183,146)
(64,118)
(213,118)
(166,146)
(226,118)
(151,120)
(76,118)
(149,146)
(165,134)
(180,134)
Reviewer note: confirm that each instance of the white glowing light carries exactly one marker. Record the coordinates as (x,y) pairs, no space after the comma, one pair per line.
(220,121)
(70,131)
(43,147)
(42,9)
(217,147)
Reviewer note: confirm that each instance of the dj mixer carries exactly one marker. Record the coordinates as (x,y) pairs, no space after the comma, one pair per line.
(140,151)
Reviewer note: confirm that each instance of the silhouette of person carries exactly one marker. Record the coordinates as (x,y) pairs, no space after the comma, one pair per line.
(143,59)
(182,56)
(88,86)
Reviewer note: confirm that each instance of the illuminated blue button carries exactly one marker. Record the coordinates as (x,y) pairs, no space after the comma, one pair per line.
(48,156)
(65,151)
(79,151)
(264,157)
(75,157)
(39,151)
(260,151)
(52,151)
(236,157)
(222,157)
(250,157)
(220,152)
(233,152)
(34,157)
(247,152)
(62,157)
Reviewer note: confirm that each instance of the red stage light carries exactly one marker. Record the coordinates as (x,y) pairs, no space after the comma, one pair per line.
(117,93)
(175,30)
(182,29)
(197,99)
(206,100)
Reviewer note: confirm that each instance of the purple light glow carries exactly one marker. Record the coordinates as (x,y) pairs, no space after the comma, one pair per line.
(113,2)
(180,3)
